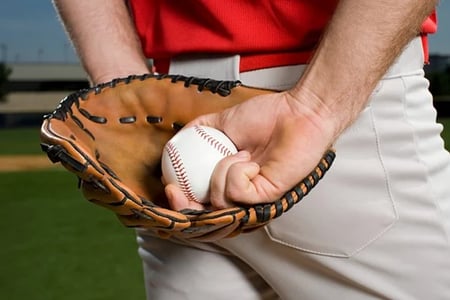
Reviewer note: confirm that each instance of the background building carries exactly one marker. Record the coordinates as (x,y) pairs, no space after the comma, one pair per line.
(438,63)
(36,89)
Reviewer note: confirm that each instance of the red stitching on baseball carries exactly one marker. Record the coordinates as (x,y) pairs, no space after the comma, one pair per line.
(224,150)
(180,171)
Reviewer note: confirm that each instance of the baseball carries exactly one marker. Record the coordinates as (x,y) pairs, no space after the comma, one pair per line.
(189,159)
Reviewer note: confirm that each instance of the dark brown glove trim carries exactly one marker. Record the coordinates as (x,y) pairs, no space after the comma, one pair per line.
(263,211)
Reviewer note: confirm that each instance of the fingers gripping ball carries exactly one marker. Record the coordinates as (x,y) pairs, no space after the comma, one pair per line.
(190,157)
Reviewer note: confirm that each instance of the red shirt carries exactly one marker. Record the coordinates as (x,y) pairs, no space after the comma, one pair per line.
(265,33)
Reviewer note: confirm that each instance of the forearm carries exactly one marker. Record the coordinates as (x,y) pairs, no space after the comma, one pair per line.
(104,37)
(363,39)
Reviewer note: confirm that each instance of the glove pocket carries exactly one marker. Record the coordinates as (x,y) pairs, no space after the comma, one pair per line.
(352,205)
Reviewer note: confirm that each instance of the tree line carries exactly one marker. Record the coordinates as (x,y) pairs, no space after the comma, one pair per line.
(5,71)
(439,82)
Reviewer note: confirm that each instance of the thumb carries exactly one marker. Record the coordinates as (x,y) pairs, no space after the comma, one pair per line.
(210,120)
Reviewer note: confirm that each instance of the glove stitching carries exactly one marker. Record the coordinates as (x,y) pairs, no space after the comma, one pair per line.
(263,211)
(127,120)
(154,119)
(223,88)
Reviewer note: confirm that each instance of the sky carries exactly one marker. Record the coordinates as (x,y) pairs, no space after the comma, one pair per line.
(31,32)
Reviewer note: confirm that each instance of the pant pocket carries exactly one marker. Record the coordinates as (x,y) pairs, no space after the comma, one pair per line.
(350,208)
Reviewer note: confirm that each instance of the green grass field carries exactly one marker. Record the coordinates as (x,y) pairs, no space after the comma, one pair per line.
(20,141)
(446,133)
(56,245)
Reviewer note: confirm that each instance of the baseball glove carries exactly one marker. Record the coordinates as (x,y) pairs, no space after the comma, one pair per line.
(112,136)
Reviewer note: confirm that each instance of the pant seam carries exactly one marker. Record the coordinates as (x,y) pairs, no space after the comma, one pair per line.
(429,182)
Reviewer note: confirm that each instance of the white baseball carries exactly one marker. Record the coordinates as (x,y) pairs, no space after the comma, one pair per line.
(189,159)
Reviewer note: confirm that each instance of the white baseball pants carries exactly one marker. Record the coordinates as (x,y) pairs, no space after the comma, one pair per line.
(376,227)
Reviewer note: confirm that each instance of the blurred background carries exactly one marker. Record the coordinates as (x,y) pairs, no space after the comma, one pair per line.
(55,245)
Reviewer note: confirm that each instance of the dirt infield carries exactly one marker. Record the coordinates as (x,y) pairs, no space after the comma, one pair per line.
(10,163)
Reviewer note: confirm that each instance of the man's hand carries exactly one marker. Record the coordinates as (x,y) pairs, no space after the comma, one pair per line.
(280,141)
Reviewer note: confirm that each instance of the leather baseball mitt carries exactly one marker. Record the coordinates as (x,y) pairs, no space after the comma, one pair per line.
(112,136)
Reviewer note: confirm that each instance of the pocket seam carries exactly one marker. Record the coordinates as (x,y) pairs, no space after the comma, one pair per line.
(395,216)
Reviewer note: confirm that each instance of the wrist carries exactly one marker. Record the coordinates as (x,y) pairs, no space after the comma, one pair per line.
(102,76)
(318,111)
(109,68)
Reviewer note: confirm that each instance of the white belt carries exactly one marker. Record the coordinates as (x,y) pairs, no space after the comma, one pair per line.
(279,78)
